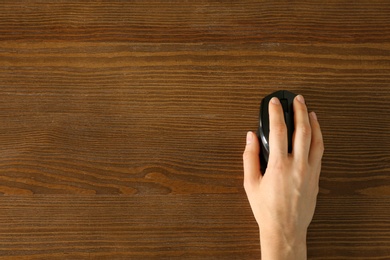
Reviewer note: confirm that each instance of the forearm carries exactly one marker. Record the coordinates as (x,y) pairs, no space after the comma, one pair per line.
(280,246)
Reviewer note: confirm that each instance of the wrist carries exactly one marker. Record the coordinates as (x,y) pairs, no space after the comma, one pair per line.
(283,244)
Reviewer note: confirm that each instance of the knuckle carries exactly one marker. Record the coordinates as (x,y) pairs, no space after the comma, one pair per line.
(279,129)
(246,155)
(319,145)
(305,130)
(246,185)
(302,167)
(277,165)
(316,191)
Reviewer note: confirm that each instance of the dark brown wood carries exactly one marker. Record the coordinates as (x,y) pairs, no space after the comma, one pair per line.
(197,21)
(180,227)
(122,124)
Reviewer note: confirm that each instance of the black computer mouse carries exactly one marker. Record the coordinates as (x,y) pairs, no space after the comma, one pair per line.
(286,99)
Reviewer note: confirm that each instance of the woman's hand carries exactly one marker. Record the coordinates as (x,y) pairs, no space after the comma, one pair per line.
(284,199)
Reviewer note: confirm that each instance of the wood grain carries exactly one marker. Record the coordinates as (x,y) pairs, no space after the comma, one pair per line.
(172,120)
(197,21)
(178,227)
(122,124)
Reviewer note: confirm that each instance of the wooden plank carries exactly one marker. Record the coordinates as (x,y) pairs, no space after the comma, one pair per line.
(122,124)
(179,227)
(124,118)
(197,21)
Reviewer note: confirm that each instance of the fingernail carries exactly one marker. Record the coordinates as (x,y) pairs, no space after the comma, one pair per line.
(313,115)
(301,99)
(249,137)
(275,101)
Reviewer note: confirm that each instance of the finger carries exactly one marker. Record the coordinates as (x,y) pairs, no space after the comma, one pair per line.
(251,161)
(278,146)
(302,138)
(317,142)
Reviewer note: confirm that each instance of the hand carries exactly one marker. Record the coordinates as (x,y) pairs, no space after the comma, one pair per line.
(283,200)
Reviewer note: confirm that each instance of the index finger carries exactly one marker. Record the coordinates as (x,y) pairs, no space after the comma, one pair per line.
(278,146)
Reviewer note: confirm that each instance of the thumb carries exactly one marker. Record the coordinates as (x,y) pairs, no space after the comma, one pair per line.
(251,162)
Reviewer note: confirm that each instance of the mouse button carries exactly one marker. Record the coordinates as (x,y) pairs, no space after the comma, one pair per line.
(284,103)
(289,96)
(279,94)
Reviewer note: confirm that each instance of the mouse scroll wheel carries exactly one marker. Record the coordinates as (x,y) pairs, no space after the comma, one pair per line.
(284,104)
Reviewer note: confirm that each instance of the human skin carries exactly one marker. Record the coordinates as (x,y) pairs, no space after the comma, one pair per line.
(283,200)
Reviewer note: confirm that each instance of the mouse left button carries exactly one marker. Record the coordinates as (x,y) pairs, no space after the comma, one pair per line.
(284,103)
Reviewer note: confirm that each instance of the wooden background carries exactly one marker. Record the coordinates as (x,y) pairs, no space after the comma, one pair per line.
(122,124)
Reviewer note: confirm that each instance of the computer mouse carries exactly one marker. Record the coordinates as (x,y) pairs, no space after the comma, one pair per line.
(286,99)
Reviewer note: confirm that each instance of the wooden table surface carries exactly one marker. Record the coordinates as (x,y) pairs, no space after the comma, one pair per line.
(122,124)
